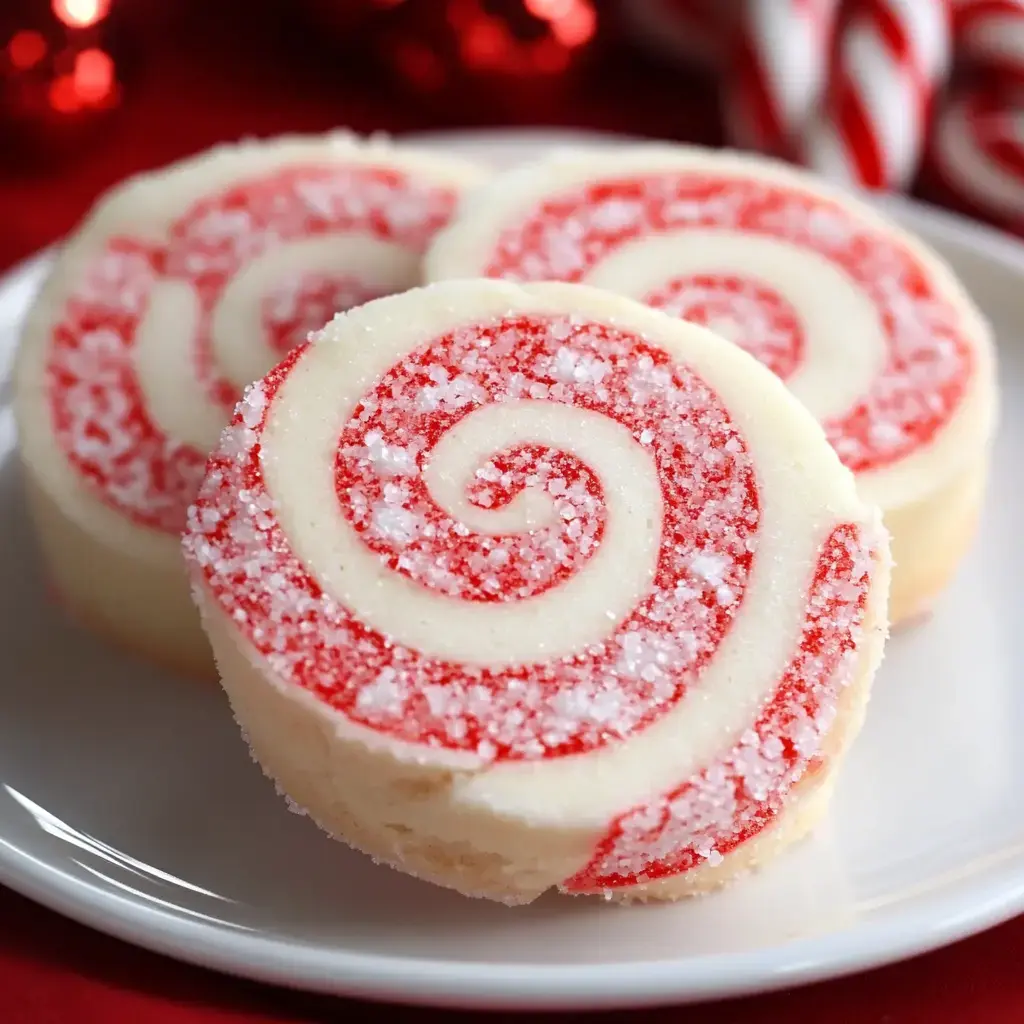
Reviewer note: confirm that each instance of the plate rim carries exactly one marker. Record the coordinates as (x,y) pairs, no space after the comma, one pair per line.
(972,902)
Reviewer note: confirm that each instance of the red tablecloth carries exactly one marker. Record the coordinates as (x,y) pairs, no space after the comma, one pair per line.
(55,972)
(212,77)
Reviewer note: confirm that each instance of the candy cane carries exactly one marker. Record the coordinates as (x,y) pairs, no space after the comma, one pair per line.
(891,57)
(778,65)
(989,36)
(976,156)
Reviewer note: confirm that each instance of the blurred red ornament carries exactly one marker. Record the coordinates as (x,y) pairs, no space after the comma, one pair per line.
(58,75)
(489,53)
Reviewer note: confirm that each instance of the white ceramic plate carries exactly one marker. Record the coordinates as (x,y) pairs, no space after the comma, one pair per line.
(128,801)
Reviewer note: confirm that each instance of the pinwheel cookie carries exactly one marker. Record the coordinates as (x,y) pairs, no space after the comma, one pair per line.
(866,325)
(180,288)
(529,587)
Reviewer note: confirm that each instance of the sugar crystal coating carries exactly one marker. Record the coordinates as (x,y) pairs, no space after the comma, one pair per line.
(749,313)
(741,792)
(97,400)
(928,361)
(302,302)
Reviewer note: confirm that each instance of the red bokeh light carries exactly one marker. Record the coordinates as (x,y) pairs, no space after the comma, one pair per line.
(488,42)
(26,49)
(93,76)
(63,95)
(572,21)
(420,65)
(90,84)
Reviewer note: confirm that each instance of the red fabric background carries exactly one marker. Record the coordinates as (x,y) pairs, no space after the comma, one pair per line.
(200,73)
(53,971)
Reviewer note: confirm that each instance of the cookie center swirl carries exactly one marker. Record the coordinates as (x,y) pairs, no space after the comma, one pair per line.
(543,530)
(302,303)
(156,343)
(748,312)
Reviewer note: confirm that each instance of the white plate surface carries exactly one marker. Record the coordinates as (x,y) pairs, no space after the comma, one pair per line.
(128,801)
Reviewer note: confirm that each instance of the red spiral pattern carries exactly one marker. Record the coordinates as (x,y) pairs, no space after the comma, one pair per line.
(928,360)
(97,403)
(743,791)
(566,705)
(990,39)
(749,313)
(304,302)
(976,156)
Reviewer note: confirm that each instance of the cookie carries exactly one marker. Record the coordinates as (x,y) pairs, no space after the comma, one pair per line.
(531,587)
(181,287)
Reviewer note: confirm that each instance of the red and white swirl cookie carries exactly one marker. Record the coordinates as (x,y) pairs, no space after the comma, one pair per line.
(866,325)
(520,587)
(183,286)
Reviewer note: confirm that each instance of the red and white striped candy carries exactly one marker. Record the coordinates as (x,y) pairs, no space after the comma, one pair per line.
(976,155)
(891,57)
(777,68)
(989,37)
